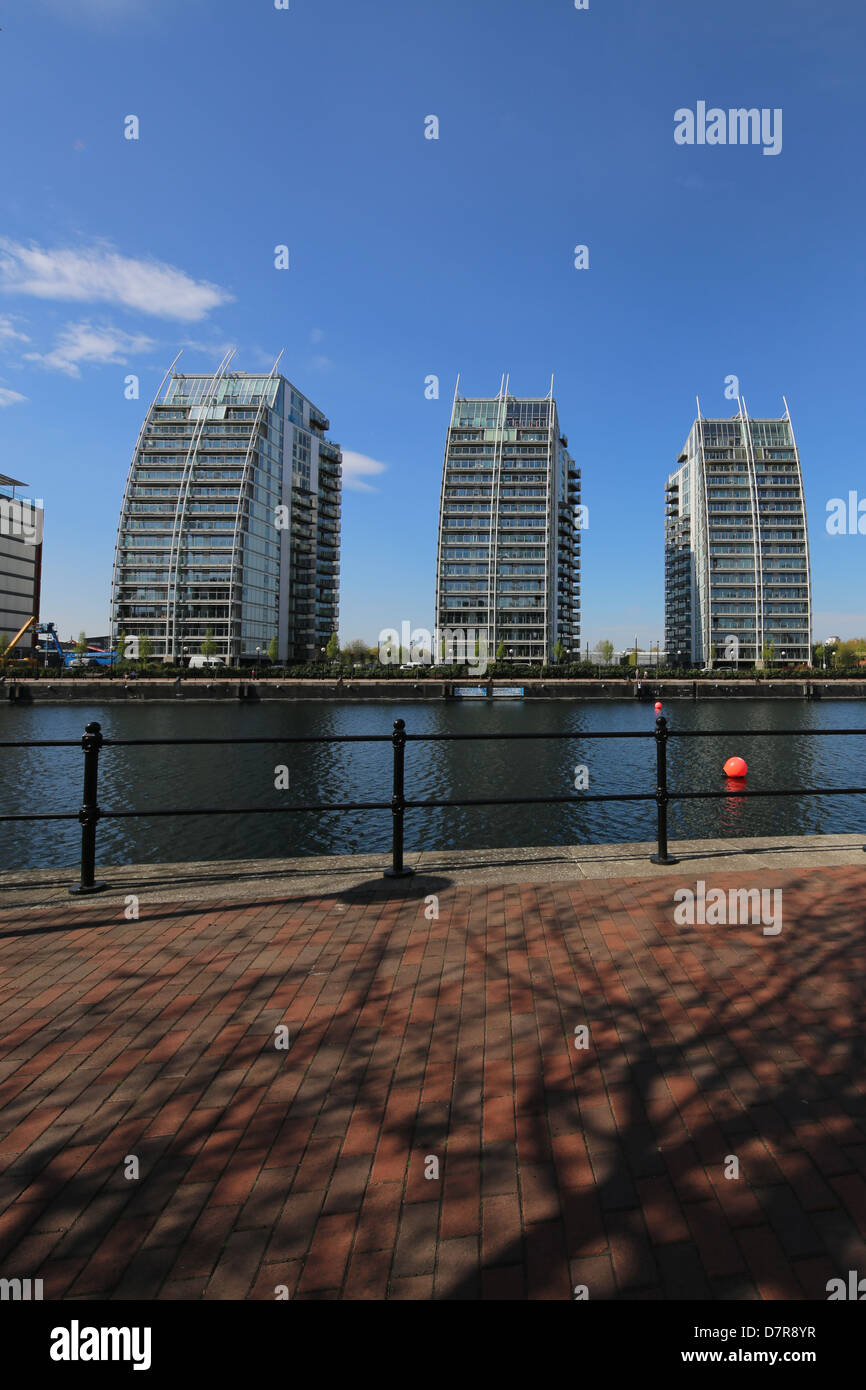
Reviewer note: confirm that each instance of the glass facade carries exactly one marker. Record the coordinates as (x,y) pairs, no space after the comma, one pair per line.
(737,579)
(230,522)
(509,543)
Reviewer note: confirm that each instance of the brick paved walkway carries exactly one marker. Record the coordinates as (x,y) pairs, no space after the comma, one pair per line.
(451,1038)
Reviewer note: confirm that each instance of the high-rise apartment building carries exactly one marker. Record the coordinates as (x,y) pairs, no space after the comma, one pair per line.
(737,582)
(20,562)
(230,521)
(509,540)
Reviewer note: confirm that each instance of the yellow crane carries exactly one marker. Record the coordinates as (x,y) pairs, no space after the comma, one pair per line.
(17,638)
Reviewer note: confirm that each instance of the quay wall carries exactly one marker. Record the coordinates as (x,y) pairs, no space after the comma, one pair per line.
(106,690)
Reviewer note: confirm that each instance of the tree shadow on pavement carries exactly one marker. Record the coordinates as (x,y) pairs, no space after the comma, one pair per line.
(453,1037)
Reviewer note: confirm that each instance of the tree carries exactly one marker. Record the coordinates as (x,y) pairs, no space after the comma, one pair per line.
(208,646)
(145,647)
(4,643)
(357,650)
(81,646)
(273,648)
(558,651)
(605,651)
(500,651)
(332,651)
(768,653)
(119,652)
(851,652)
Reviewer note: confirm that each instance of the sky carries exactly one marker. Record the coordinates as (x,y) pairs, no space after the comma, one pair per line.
(412,257)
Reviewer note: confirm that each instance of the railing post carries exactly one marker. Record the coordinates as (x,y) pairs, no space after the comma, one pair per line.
(91,742)
(662,857)
(398,803)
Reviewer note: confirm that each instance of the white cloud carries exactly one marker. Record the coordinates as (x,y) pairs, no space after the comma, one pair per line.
(316,335)
(8,331)
(215,350)
(258,359)
(99,274)
(91,344)
(8,397)
(356,467)
(321,363)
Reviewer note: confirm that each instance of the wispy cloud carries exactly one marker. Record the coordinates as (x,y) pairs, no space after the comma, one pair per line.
(321,363)
(215,350)
(91,344)
(8,397)
(9,333)
(257,358)
(99,274)
(357,467)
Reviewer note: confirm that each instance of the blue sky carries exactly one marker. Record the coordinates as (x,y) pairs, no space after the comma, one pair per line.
(412,257)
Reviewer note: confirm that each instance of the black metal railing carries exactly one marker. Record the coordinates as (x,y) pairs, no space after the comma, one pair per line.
(92,743)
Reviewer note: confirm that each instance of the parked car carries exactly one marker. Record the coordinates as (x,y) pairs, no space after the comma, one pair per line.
(196,662)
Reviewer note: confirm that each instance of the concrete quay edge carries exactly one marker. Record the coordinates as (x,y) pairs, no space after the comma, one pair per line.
(332,875)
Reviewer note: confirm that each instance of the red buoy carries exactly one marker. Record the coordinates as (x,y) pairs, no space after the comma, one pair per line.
(658,706)
(736,767)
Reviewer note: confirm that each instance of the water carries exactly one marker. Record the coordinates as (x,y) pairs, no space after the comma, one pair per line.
(49,779)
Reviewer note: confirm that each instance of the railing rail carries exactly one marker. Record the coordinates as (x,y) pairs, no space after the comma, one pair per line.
(93,742)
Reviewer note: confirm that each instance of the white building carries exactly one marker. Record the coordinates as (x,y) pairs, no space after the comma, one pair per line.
(508,558)
(230,521)
(737,581)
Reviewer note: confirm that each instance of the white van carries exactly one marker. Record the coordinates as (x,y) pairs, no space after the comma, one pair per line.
(199,661)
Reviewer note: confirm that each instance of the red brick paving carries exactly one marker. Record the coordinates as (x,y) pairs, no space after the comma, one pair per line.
(303,1172)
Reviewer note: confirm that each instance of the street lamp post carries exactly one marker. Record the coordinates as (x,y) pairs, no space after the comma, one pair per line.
(258,659)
